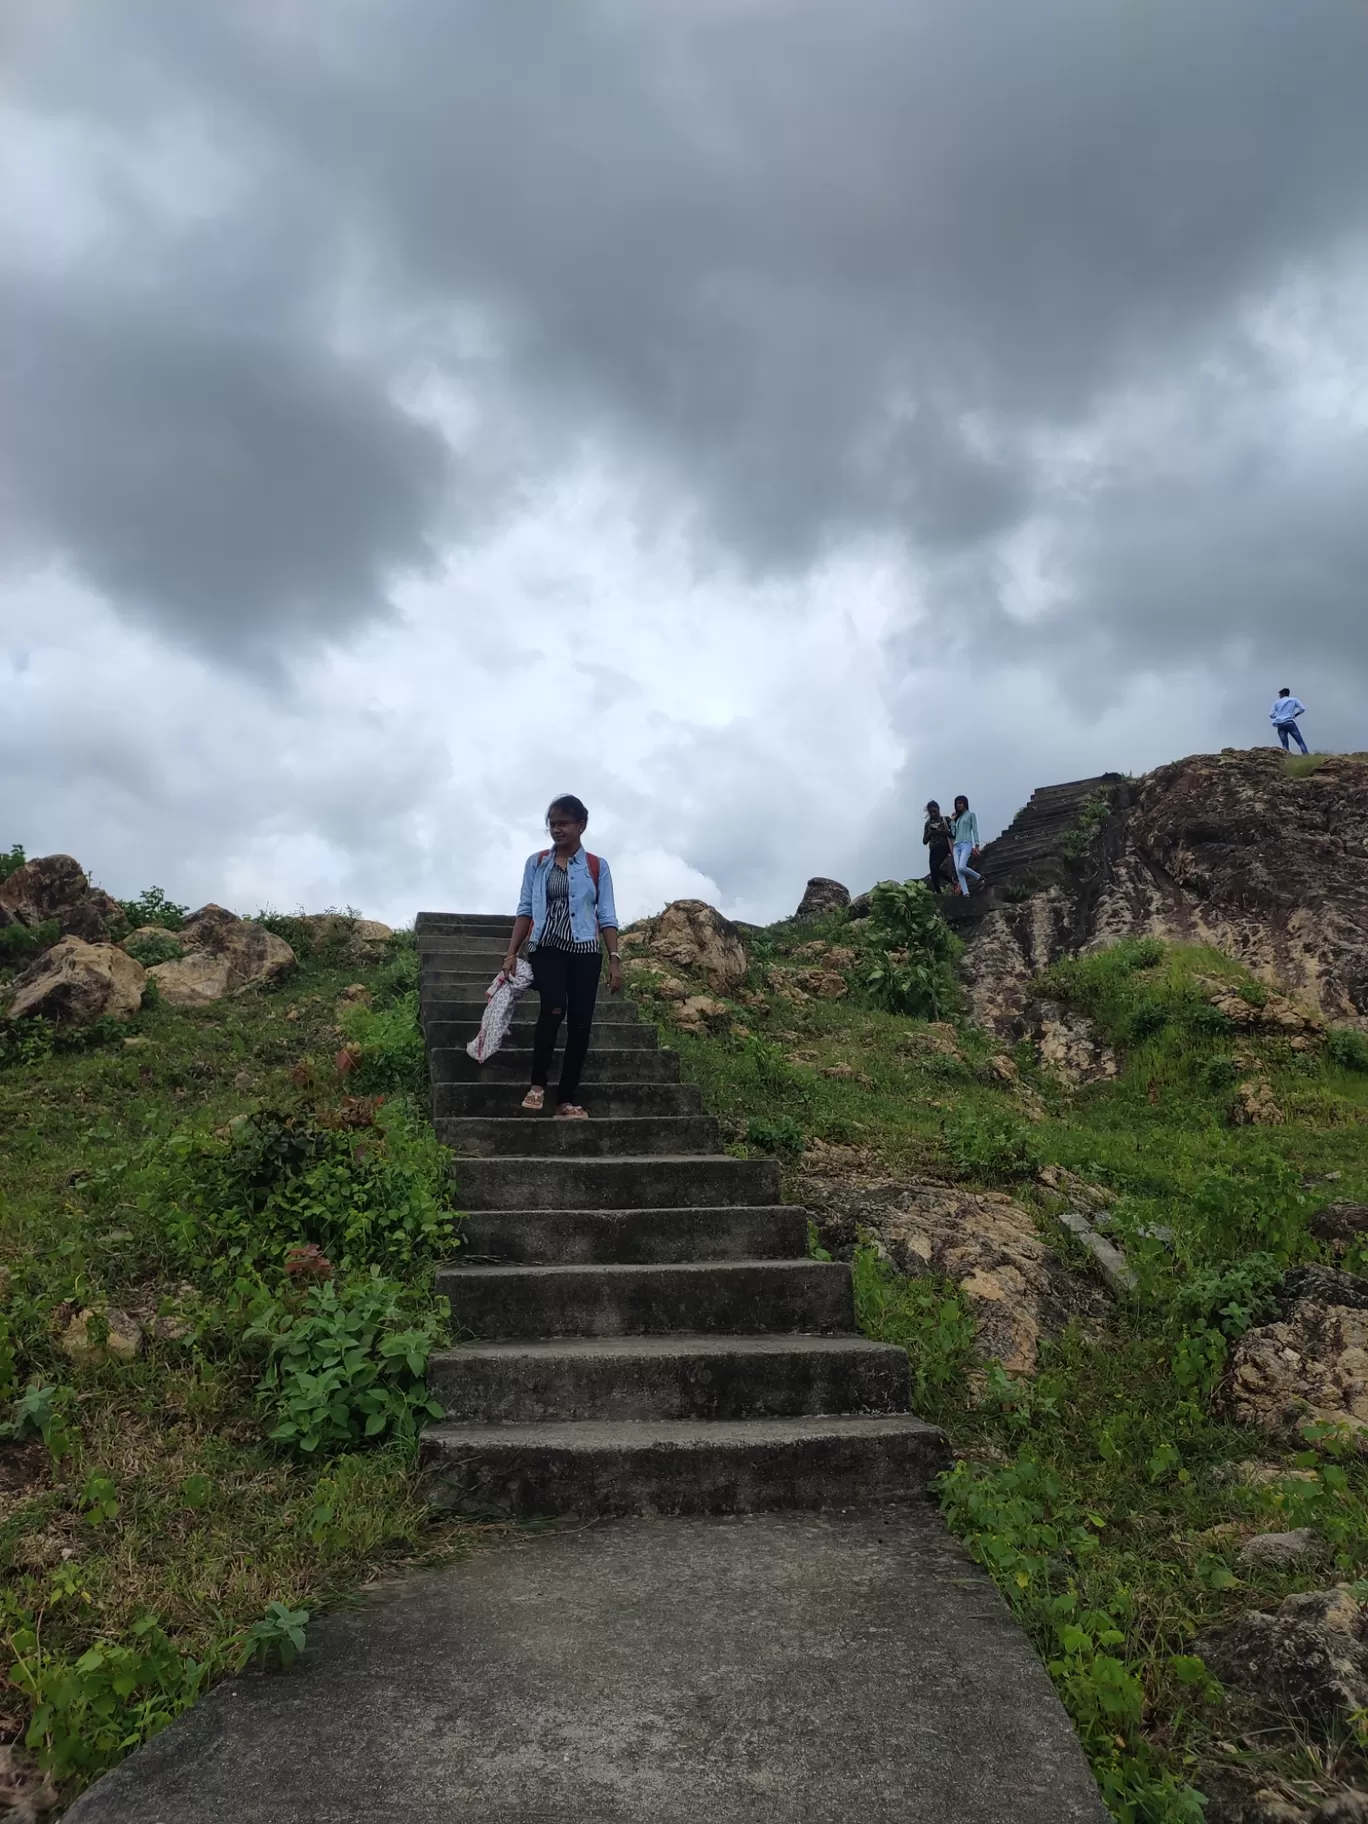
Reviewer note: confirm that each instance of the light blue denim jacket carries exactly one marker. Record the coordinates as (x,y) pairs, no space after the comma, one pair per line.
(587,919)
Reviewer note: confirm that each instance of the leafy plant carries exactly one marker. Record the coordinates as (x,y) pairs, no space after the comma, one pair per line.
(1347,1048)
(279,1635)
(11,860)
(20,943)
(345,1366)
(775,1134)
(152,907)
(927,1317)
(153,948)
(989,1145)
(392,1054)
(910,951)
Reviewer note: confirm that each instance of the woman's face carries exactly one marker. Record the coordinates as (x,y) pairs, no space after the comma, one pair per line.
(961,804)
(565,832)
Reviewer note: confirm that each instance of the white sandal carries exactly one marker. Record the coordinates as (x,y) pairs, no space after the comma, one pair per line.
(535,1099)
(571,1111)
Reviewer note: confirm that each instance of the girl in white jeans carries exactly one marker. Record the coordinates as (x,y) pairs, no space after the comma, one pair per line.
(964,829)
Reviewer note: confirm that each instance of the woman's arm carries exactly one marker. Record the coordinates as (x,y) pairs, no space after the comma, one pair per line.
(522,924)
(608,926)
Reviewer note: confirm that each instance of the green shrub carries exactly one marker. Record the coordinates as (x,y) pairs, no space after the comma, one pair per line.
(775,1134)
(19,944)
(390,1045)
(1262,1211)
(1213,1309)
(927,1317)
(1345,1047)
(346,1366)
(11,860)
(154,908)
(153,948)
(366,1184)
(910,951)
(1217,1075)
(990,1146)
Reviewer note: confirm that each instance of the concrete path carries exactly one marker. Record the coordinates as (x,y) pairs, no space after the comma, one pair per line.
(788,1668)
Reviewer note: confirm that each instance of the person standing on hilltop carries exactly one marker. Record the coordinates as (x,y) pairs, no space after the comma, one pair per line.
(936,836)
(1283,715)
(964,830)
(566,906)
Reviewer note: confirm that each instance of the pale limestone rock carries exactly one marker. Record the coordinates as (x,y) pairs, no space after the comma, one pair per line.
(75,983)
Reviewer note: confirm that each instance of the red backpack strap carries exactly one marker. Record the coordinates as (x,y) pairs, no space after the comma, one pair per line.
(542,857)
(593,861)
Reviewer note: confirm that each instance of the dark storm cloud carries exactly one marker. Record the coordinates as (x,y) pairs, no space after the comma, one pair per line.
(820,271)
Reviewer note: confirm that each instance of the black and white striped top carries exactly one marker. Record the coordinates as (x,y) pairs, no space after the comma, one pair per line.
(557,933)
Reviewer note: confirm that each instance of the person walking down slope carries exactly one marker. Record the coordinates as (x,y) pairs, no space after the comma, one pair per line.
(936,836)
(1283,715)
(965,833)
(566,906)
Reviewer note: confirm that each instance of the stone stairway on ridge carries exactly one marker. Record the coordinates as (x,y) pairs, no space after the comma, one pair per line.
(1029,849)
(646,1332)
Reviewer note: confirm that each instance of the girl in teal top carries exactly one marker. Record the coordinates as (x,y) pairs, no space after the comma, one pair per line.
(964,829)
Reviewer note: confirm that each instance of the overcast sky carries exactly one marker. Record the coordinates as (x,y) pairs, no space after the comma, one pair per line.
(753,415)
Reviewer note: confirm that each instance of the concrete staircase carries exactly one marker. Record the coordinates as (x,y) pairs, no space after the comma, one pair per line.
(648,1333)
(1028,853)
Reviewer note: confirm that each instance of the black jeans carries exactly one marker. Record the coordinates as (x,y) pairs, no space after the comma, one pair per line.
(568,986)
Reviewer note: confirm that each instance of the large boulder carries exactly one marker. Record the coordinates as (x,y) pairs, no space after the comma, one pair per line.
(75,983)
(55,887)
(1309,1657)
(223,955)
(986,1243)
(821,897)
(692,935)
(1312,1363)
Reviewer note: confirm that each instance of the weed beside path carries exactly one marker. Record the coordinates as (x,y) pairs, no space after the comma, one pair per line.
(217,1235)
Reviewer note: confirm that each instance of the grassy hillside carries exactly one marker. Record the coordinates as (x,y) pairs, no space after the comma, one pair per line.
(250,1197)
(1107,1494)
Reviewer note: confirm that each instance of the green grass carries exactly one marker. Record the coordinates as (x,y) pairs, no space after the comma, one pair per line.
(1093,1492)
(281,1209)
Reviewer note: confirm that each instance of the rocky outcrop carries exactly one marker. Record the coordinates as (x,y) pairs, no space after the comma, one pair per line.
(689,934)
(1312,1363)
(55,888)
(1224,849)
(987,1244)
(1309,1657)
(823,897)
(75,983)
(223,955)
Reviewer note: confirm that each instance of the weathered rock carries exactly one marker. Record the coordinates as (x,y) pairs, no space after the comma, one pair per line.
(1082,1195)
(1070,1045)
(939,1040)
(692,935)
(55,887)
(984,1242)
(356,994)
(1237,1795)
(1209,850)
(821,897)
(157,935)
(337,927)
(1340,1223)
(224,955)
(1277,1551)
(1310,1657)
(1255,1105)
(75,983)
(193,981)
(1312,1363)
(123,1342)
(700,1013)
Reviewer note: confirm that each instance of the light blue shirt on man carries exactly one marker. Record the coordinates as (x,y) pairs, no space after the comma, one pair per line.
(1285,710)
(590,912)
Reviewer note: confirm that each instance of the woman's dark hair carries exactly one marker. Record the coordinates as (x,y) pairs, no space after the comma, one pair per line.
(932,806)
(569,806)
(960,799)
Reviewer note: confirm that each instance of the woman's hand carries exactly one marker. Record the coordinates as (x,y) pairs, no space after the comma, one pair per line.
(510,965)
(615,975)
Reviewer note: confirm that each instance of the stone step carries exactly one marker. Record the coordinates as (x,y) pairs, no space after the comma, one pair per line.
(533,1137)
(681,1466)
(770,1231)
(618,1035)
(607,1099)
(441,924)
(468,985)
(741,1297)
(668,1377)
(607,1012)
(475,950)
(614,1184)
(452,1063)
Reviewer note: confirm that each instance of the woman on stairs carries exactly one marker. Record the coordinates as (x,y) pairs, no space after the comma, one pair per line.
(566,905)
(964,829)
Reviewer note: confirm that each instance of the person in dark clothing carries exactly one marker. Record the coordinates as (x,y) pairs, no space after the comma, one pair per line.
(566,907)
(936,836)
